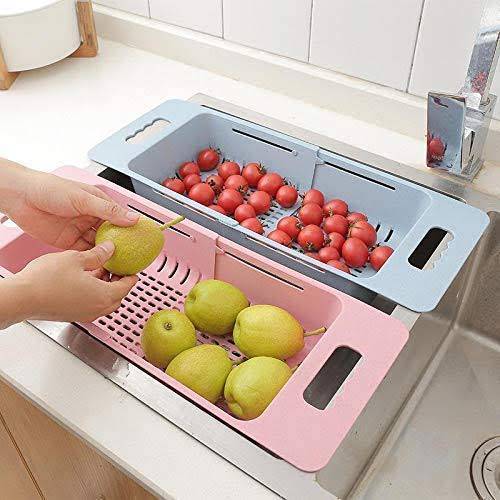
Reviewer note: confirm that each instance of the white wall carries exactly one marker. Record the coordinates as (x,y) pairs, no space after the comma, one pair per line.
(410,45)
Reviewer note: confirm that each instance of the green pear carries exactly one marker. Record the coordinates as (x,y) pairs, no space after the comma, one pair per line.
(253,384)
(204,369)
(212,306)
(166,334)
(136,247)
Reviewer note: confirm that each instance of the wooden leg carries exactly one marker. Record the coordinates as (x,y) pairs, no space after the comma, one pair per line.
(6,77)
(86,24)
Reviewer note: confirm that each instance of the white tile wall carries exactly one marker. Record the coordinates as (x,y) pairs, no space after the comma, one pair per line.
(139,7)
(199,15)
(278,26)
(373,40)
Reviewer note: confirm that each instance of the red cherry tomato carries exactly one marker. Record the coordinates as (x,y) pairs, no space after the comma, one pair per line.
(216,182)
(311,238)
(280,237)
(190,180)
(229,200)
(202,193)
(355,216)
(286,196)
(253,173)
(379,256)
(270,183)
(436,148)
(328,253)
(355,252)
(237,182)
(190,167)
(207,159)
(253,224)
(228,168)
(313,255)
(217,208)
(336,224)
(336,240)
(335,207)
(175,185)
(364,231)
(311,214)
(244,211)
(261,201)
(291,226)
(313,196)
(339,265)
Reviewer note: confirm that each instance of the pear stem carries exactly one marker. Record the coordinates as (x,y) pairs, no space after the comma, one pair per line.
(173,222)
(319,331)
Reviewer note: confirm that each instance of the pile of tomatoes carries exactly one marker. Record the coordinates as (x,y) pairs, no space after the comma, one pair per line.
(325,231)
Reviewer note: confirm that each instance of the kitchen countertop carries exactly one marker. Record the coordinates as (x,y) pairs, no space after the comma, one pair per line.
(52,117)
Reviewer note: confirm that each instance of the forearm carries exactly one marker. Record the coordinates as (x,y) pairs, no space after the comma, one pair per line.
(12,181)
(15,302)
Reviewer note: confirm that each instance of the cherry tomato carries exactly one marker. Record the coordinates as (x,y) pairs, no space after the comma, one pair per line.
(286,196)
(207,159)
(190,180)
(328,253)
(228,168)
(355,216)
(339,265)
(335,207)
(336,240)
(364,231)
(291,226)
(436,148)
(313,196)
(229,199)
(280,237)
(355,252)
(175,185)
(217,208)
(311,214)
(244,211)
(216,182)
(253,224)
(202,193)
(237,182)
(190,167)
(253,173)
(336,224)
(313,255)
(261,201)
(270,183)
(379,255)
(311,238)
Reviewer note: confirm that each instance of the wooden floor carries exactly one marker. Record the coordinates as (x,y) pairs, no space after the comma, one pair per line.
(41,459)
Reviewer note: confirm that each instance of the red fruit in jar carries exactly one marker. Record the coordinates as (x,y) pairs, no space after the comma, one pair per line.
(335,207)
(270,183)
(207,159)
(202,193)
(261,201)
(328,253)
(190,167)
(379,255)
(336,240)
(355,252)
(291,226)
(311,238)
(355,216)
(436,148)
(228,168)
(229,200)
(217,208)
(313,196)
(253,224)
(237,182)
(253,173)
(339,265)
(336,224)
(244,211)
(175,185)
(313,255)
(280,237)
(311,214)
(364,231)
(287,196)
(216,182)
(190,180)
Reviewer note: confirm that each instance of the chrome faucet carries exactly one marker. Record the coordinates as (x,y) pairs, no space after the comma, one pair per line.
(457,125)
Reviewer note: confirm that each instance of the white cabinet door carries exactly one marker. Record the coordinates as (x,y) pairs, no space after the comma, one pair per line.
(139,7)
